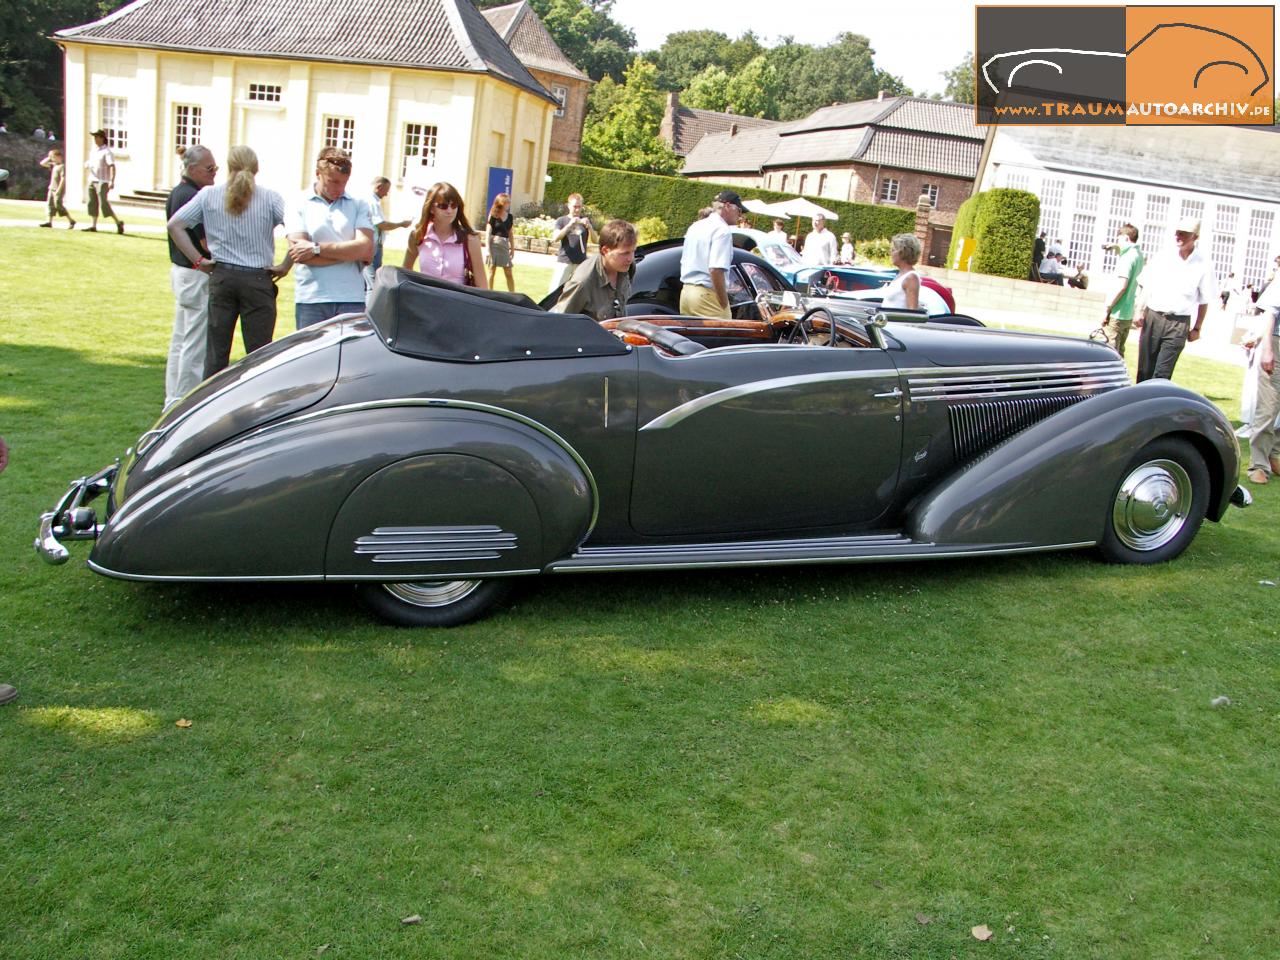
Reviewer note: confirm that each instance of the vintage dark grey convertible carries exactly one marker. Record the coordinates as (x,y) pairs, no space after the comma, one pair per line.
(451,440)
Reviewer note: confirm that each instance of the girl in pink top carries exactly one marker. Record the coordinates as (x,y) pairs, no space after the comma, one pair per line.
(442,242)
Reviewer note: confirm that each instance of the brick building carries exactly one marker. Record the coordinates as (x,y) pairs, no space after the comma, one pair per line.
(519,26)
(890,150)
(682,127)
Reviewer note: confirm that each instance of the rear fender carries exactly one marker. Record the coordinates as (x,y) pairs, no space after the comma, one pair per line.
(288,500)
(1052,483)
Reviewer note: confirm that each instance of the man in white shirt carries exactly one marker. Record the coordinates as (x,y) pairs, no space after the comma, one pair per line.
(820,246)
(707,258)
(102,180)
(1177,287)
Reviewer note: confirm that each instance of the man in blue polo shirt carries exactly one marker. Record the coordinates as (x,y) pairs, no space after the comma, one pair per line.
(330,235)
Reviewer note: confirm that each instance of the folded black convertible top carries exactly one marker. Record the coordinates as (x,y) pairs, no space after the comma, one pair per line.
(422,316)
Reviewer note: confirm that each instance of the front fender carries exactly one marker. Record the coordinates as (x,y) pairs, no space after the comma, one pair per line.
(291,500)
(1052,483)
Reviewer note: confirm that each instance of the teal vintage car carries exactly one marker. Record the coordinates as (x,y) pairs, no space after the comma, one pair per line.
(450,440)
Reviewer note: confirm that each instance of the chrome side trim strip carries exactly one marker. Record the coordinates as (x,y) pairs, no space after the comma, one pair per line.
(435,544)
(698,404)
(912,551)
(316,578)
(1005,369)
(456,405)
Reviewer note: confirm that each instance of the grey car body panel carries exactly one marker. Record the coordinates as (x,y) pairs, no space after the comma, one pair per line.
(332,455)
(265,505)
(1047,483)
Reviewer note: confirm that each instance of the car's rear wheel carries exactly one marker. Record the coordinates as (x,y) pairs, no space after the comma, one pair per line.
(433,603)
(1158,505)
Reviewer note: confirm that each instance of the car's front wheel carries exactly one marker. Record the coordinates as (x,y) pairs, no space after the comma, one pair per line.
(1158,505)
(433,603)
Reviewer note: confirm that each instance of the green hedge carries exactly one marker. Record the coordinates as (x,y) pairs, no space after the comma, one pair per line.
(634,196)
(1005,233)
(1003,225)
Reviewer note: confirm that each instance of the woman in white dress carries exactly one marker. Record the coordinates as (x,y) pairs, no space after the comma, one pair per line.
(904,289)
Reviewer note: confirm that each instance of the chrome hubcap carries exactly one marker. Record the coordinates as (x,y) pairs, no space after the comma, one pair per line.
(1152,505)
(432,593)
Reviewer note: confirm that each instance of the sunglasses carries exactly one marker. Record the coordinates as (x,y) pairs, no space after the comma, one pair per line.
(445,204)
(1183,236)
(342,166)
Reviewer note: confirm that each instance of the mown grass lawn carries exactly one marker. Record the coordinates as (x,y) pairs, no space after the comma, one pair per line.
(798,763)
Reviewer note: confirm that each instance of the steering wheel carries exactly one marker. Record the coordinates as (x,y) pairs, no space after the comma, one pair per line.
(662,337)
(804,330)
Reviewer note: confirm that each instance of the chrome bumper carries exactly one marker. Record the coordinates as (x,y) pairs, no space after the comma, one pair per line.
(72,519)
(1241,497)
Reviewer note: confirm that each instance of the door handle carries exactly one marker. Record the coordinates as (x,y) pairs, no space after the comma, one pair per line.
(891,395)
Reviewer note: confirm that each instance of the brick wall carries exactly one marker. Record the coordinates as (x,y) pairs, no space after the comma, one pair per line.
(566,131)
(952,191)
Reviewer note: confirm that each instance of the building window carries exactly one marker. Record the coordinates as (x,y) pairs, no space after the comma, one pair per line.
(1193,208)
(340,132)
(1153,236)
(186,126)
(265,92)
(1083,224)
(1014,181)
(931,189)
(562,96)
(419,147)
(1051,208)
(1258,246)
(784,183)
(889,190)
(114,113)
(822,184)
(804,182)
(1224,239)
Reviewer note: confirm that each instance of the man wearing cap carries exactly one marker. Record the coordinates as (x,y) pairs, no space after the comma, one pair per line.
(1177,287)
(707,258)
(102,180)
(330,237)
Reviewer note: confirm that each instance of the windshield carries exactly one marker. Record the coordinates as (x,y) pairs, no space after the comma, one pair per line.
(780,256)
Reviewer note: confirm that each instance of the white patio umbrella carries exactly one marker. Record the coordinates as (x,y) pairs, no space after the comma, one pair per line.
(766,209)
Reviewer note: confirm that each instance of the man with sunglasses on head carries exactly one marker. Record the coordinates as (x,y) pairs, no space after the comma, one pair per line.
(706,259)
(185,366)
(1177,287)
(330,238)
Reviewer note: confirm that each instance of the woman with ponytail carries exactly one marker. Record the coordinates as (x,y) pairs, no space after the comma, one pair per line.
(239,219)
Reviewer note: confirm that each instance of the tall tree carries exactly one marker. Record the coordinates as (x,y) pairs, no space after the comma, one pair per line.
(960,81)
(687,53)
(753,90)
(841,72)
(31,79)
(709,90)
(627,138)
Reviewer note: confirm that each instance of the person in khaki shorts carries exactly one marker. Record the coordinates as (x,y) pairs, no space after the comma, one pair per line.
(707,258)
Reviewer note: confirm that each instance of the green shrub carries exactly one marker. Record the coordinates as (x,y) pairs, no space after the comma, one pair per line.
(649,229)
(1005,231)
(964,225)
(876,250)
(676,201)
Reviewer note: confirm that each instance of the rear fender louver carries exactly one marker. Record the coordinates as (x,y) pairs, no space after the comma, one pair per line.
(435,544)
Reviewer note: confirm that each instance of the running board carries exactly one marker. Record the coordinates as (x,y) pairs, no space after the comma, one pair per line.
(889,546)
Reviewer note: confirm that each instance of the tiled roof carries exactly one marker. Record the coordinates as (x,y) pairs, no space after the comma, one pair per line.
(745,152)
(1238,161)
(414,34)
(934,116)
(920,151)
(525,34)
(689,126)
(826,146)
(910,133)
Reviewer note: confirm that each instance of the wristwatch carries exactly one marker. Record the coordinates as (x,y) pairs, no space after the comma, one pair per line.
(315,249)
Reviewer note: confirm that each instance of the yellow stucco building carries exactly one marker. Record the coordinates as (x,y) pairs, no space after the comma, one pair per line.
(417,90)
